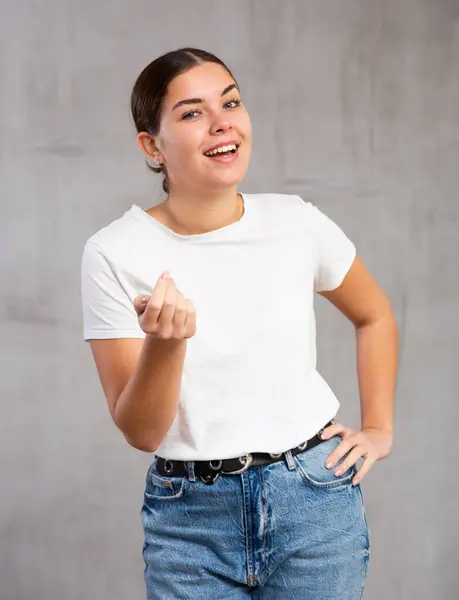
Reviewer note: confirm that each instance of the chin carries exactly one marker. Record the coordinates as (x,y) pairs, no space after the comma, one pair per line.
(225,184)
(229,179)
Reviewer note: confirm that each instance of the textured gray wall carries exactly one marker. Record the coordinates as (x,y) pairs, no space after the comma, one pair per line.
(355,106)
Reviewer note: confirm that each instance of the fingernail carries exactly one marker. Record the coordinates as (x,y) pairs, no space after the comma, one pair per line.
(165,275)
(144,299)
(356,481)
(329,464)
(338,472)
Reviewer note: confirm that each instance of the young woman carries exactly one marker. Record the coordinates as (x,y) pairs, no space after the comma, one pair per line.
(200,316)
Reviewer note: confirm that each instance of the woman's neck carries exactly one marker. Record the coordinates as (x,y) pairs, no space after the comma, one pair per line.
(193,214)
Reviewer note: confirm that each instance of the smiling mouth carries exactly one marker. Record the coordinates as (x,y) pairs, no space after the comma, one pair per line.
(223,151)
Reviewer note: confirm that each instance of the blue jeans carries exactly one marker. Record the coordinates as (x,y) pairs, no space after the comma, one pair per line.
(287,530)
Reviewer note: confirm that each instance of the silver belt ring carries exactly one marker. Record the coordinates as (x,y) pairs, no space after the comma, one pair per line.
(275,455)
(303,446)
(168,466)
(217,466)
(244,460)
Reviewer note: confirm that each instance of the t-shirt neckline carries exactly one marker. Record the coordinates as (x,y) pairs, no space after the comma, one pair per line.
(219,233)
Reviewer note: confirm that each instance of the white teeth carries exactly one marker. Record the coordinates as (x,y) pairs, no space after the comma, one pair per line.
(222,150)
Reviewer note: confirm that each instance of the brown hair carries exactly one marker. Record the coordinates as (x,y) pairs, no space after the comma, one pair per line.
(151,86)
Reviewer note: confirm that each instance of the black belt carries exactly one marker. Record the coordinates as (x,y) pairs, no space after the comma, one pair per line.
(209,470)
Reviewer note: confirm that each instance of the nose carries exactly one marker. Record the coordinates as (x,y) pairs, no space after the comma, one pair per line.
(220,124)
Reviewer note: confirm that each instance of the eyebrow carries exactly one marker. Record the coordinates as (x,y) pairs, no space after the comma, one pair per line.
(230,87)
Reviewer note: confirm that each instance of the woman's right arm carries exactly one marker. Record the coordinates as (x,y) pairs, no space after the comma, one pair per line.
(141,380)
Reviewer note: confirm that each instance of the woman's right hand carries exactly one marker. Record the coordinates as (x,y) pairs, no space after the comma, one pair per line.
(166,314)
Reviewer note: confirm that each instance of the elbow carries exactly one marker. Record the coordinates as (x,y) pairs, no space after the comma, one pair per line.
(137,439)
(142,445)
(384,317)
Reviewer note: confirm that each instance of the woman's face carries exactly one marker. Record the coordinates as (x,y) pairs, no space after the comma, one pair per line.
(201,111)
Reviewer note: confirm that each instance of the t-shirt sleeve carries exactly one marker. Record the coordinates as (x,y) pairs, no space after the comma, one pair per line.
(335,252)
(107,309)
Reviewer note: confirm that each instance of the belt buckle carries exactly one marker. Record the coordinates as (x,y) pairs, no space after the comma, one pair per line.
(248,461)
(211,477)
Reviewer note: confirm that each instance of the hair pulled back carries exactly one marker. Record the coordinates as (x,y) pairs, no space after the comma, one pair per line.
(151,86)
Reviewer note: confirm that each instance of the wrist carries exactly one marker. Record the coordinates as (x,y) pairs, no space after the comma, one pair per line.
(386,430)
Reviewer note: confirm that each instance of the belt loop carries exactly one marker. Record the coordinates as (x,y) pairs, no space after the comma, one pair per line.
(189,465)
(289,460)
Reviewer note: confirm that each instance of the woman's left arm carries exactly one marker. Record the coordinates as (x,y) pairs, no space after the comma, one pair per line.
(362,301)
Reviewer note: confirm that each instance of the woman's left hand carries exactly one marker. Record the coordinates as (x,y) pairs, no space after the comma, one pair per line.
(370,444)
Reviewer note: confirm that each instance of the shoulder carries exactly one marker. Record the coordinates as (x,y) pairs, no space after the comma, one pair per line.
(285,206)
(278,203)
(122,228)
(274,200)
(117,240)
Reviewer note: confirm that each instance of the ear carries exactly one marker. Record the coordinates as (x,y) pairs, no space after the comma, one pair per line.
(147,143)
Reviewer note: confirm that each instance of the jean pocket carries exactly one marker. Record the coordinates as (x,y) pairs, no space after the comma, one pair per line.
(312,469)
(159,487)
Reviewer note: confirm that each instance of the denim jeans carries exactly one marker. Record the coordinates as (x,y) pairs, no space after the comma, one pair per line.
(287,530)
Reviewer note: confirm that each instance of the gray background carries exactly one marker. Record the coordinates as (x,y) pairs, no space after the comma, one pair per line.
(355,106)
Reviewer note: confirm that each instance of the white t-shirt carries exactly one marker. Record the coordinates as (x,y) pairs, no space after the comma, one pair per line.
(249,382)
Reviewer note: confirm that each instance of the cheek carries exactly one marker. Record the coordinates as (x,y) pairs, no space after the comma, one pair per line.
(245,126)
(247,143)
(180,152)
(181,142)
